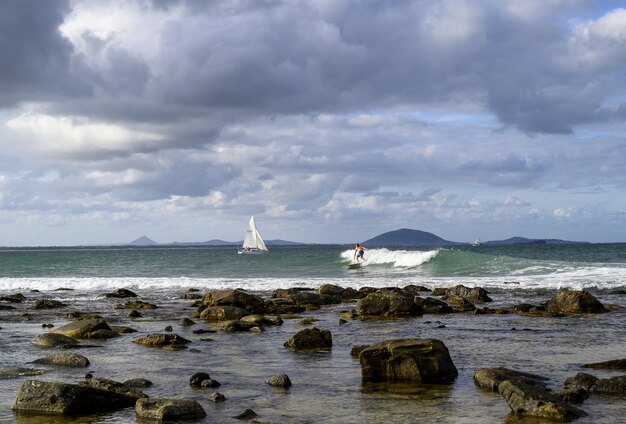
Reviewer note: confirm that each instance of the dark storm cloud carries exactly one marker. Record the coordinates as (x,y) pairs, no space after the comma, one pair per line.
(35,60)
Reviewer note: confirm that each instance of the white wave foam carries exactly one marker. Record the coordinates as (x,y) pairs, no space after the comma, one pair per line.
(396,258)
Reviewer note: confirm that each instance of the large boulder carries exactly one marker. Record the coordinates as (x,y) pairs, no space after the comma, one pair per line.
(64,359)
(310,339)
(407,360)
(472,294)
(388,304)
(85,329)
(47,397)
(169,409)
(575,302)
(254,304)
(284,306)
(534,401)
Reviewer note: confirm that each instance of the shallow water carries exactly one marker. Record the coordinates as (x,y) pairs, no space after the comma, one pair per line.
(326,385)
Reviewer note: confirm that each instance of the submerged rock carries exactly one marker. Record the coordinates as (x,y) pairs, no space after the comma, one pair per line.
(48,304)
(86,329)
(161,340)
(490,378)
(593,384)
(169,409)
(54,340)
(121,293)
(408,360)
(616,364)
(280,380)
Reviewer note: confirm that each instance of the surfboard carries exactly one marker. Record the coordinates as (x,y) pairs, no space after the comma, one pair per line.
(354,265)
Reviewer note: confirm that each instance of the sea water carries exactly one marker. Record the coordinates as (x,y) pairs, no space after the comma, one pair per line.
(327,386)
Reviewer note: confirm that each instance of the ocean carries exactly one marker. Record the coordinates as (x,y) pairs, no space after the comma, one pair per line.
(327,386)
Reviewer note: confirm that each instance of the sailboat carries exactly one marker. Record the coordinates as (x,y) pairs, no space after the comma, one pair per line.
(252,242)
(477,242)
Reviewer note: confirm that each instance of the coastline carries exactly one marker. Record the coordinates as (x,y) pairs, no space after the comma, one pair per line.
(327,386)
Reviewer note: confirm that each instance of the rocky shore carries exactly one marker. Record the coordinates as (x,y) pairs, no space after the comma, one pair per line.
(73,339)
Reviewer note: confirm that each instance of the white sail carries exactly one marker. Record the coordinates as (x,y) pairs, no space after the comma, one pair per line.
(253,242)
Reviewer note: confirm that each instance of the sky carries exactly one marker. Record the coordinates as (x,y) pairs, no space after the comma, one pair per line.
(329,121)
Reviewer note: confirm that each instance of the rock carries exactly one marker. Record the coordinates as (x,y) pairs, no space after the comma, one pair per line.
(386,304)
(235,326)
(531,400)
(356,350)
(138,304)
(490,378)
(191,296)
(186,322)
(121,293)
(344,294)
(13,298)
(168,328)
(246,415)
(575,302)
(409,360)
(262,321)
(473,295)
(283,306)
(46,397)
(134,314)
(197,379)
(210,383)
(169,409)
(115,387)
(308,321)
(593,384)
(64,360)
(616,364)
(413,287)
(162,340)
(217,397)
(122,329)
(310,338)
(223,313)
(254,304)
(280,380)
(48,304)
(140,383)
(55,340)
(572,395)
(8,373)
(459,304)
(83,329)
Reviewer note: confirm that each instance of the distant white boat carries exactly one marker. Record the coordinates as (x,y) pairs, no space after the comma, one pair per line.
(477,242)
(252,242)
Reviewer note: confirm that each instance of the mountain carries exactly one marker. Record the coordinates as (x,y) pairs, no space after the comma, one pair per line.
(524,240)
(143,241)
(407,237)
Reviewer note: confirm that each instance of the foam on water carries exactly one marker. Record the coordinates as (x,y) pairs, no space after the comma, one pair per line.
(395,258)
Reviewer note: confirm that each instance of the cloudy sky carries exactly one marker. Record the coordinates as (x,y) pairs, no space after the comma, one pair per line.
(330,121)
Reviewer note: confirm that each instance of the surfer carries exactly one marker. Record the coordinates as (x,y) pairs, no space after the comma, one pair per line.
(359,251)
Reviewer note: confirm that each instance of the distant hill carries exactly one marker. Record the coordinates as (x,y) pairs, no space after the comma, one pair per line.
(524,240)
(143,241)
(407,237)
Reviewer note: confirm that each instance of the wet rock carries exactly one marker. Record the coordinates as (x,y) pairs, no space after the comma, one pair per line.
(415,288)
(473,295)
(343,294)
(531,400)
(223,313)
(490,378)
(140,383)
(168,328)
(254,304)
(14,298)
(310,338)
(122,329)
(121,293)
(46,397)
(575,302)
(169,409)
(134,314)
(186,322)
(235,326)
(389,305)
(349,315)
(138,304)
(197,379)
(85,329)
(162,340)
(217,397)
(6,307)
(280,380)
(262,320)
(191,296)
(48,304)
(115,387)
(616,364)
(460,304)
(356,350)
(283,306)
(409,360)
(9,373)
(246,415)
(593,384)
(55,340)
(308,321)
(64,360)
(577,395)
